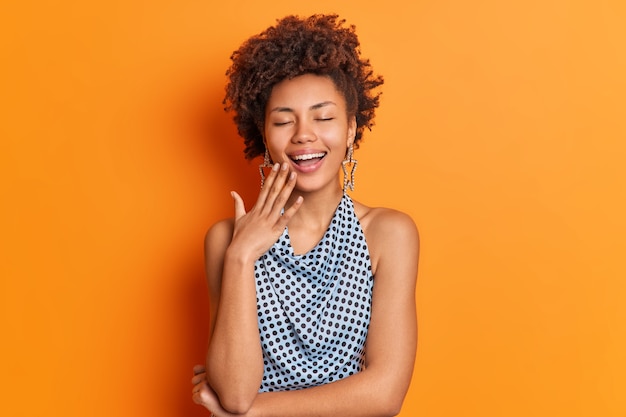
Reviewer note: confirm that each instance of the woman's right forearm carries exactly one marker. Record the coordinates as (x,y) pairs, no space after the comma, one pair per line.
(234,357)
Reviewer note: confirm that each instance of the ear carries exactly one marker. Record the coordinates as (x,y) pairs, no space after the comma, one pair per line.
(351,130)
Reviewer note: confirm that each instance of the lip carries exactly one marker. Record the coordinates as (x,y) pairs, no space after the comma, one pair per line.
(306,151)
(307,168)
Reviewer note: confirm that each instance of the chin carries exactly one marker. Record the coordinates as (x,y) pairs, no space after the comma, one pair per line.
(313,186)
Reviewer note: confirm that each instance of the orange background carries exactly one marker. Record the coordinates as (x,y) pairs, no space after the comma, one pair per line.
(501,132)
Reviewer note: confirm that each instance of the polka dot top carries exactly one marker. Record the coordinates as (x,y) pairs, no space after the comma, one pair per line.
(314,309)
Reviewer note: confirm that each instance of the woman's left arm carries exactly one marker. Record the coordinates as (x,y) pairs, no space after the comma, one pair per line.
(380,388)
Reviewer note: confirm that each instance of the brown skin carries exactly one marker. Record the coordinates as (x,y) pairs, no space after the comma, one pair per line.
(229,383)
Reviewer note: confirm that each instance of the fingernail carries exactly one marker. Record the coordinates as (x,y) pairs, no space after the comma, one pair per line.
(292,176)
(285,166)
(275,167)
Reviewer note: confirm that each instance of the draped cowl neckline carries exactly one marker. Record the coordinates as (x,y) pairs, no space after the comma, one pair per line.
(314,308)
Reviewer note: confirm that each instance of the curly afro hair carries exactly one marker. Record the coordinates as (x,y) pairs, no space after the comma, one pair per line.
(320,45)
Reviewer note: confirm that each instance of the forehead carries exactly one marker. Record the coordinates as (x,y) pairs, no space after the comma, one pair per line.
(305,91)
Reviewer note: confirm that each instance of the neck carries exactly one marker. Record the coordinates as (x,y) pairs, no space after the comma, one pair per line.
(318,206)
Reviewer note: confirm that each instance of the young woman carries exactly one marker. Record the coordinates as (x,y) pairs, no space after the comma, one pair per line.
(312,294)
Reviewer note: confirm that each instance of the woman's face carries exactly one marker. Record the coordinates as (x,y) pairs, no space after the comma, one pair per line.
(306,125)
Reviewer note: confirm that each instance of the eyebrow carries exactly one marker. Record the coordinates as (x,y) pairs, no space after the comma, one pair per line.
(313,107)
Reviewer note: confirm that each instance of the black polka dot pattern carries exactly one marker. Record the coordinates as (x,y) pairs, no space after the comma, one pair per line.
(314,309)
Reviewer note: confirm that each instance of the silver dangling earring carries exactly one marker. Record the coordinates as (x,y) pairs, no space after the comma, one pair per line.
(348,180)
(267,163)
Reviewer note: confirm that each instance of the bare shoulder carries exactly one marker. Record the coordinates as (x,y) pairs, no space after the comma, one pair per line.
(391,235)
(379,222)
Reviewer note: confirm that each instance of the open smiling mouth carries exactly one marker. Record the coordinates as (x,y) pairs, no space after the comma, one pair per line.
(308,159)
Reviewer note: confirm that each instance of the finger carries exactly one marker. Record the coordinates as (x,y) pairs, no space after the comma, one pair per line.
(204,397)
(198,393)
(277,188)
(196,396)
(196,390)
(284,194)
(198,369)
(240,208)
(269,181)
(198,379)
(288,214)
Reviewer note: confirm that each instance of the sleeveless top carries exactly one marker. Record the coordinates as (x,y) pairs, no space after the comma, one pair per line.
(314,309)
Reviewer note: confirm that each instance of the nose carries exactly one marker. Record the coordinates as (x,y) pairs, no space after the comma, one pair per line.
(303,133)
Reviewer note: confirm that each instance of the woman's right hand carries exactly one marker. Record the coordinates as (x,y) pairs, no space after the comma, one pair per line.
(257,230)
(203,395)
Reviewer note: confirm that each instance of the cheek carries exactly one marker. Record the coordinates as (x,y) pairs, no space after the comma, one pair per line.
(336,135)
(276,142)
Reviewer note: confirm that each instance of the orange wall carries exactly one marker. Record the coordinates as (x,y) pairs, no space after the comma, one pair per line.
(502,132)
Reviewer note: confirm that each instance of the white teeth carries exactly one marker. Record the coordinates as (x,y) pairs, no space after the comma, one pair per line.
(308,156)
